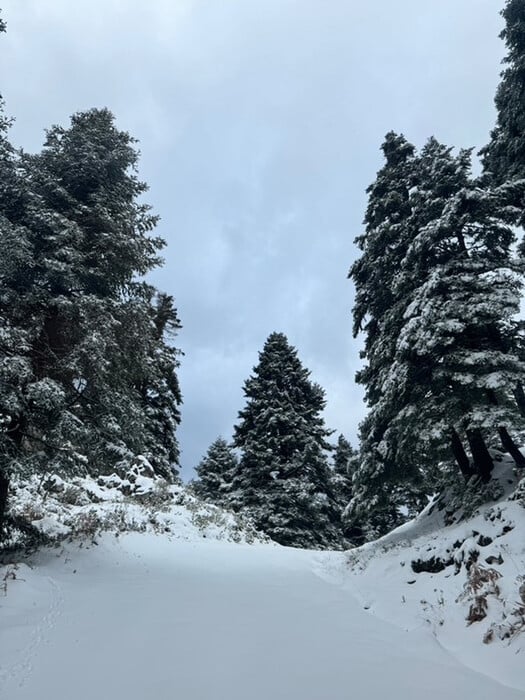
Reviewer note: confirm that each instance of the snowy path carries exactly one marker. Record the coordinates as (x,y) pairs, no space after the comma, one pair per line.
(148,618)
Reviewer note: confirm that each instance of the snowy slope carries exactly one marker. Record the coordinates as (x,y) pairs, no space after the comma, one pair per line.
(463,580)
(136,501)
(144,616)
(191,604)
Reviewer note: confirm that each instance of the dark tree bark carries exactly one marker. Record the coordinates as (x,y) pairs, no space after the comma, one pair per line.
(480,454)
(510,446)
(508,443)
(4,488)
(460,455)
(519,395)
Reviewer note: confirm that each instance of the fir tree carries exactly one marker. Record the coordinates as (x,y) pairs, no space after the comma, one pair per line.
(451,350)
(458,347)
(215,473)
(504,156)
(13,340)
(283,479)
(379,308)
(345,463)
(92,383)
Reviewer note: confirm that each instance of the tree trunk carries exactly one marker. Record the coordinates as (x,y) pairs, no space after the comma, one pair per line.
(508,443)
(510,446)
(4,487)
(519,395)
(480,455)
(460,455)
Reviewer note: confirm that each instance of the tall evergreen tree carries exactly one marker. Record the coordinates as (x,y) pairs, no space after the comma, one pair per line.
(14,340)
(283,479)
(460,338)
(452,356)
(504,156)
(215,473)
(90,238)
(90,377)
(378,311)
(345,463)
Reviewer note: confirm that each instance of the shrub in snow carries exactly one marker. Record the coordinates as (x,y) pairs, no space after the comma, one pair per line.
(51,510)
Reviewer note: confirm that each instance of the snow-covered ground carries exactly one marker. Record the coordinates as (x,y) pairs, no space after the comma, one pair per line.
(143,616)
(190,606)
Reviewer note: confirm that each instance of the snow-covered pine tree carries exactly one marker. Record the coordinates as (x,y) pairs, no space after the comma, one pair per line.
(378,313)
(13,341)
(160,388)
(458,347)
(343,457)
(504,156)
(215,473)
(283,479)
(344,464)
(99,385)
(149,324)
(453,360)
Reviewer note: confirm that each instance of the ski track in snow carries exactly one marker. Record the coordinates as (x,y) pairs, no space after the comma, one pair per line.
(147,617)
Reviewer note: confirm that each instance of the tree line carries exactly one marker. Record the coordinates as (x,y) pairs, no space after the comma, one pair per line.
(88,368)
(438,288)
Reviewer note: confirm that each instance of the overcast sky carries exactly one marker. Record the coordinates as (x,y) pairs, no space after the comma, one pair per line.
(259,123)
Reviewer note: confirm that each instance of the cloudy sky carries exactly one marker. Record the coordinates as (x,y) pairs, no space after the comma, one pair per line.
(259,124)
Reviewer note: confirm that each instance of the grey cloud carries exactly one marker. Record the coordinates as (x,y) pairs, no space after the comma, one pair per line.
(260,124)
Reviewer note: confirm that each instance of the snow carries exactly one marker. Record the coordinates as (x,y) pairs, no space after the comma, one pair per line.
(143,616)
(195,607)
(384,577)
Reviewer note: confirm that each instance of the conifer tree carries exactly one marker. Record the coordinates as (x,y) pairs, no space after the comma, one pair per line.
(96,383)
(283,479)
(504,156)
(215,473)
(345,463)
(458,346)
(451,353)
(378,311)
(14,340)
(90,238)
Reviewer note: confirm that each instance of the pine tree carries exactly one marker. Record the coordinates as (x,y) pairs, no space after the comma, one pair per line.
(215,473)
(345,464)
(379,308)
(504,156)
(13,341)
(99,384)
(458,347)
(450,361)
(148,326)
(283,479)
(160,389)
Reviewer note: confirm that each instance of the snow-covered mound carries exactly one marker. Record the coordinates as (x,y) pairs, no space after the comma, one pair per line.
(54,509)
(462,576)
